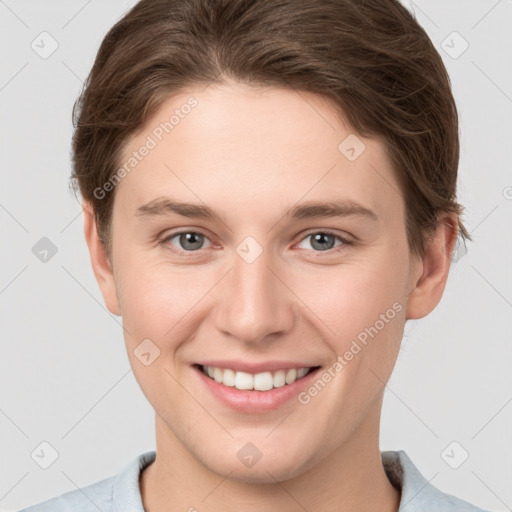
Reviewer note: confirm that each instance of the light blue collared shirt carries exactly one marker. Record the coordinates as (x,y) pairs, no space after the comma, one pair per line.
(121,493)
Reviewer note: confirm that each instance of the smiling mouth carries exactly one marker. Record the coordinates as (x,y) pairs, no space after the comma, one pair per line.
(264,381)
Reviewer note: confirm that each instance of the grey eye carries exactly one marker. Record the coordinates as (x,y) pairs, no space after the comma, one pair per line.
(187,240)
(322,241)
(191,241)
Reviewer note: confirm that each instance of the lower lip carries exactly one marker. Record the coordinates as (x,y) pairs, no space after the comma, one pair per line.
(255,401)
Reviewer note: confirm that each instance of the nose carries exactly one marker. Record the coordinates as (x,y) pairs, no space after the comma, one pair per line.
(254,305)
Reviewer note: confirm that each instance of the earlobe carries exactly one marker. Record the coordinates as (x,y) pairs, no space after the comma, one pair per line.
(99,261)
(429,279)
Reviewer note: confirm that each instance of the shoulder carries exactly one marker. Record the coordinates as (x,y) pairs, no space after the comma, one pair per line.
(94,497)
(418,494)
(116,493)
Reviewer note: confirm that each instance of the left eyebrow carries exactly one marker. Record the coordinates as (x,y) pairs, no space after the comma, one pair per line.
(343,208)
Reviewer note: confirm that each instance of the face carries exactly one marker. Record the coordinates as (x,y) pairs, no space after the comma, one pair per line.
(253,239)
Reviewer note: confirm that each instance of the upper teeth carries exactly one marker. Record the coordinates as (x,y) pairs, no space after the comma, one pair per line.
(260,381)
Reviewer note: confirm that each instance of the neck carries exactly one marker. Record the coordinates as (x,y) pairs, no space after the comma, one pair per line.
(350,478)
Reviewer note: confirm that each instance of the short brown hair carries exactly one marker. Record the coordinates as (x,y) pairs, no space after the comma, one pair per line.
(372,58)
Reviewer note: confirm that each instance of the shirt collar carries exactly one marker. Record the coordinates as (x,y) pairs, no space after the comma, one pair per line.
(416,492)
(126,491)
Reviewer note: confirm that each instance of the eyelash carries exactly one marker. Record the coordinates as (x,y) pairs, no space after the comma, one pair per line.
(345,242)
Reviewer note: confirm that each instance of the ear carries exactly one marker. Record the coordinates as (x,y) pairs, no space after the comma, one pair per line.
(430,273)
(99,260)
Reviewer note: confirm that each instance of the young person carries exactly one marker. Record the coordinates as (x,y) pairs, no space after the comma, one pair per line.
(269,190)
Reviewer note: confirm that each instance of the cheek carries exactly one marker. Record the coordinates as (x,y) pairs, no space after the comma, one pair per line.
(351,298)
(364,309)
(164,303)
(155,300)
(156,305)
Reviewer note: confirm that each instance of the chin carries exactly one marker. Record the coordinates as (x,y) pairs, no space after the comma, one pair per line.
(266,470)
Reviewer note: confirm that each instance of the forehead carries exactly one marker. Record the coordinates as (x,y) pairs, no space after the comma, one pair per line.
(232,144)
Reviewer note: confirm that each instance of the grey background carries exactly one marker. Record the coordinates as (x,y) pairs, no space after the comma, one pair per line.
(64,371)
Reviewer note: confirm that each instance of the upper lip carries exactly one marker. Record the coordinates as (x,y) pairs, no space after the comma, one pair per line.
(254,367)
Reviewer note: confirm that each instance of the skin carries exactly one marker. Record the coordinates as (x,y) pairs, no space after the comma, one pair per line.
(250,154)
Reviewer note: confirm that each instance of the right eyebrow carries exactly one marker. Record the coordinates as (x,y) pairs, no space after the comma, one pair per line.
(164,206)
